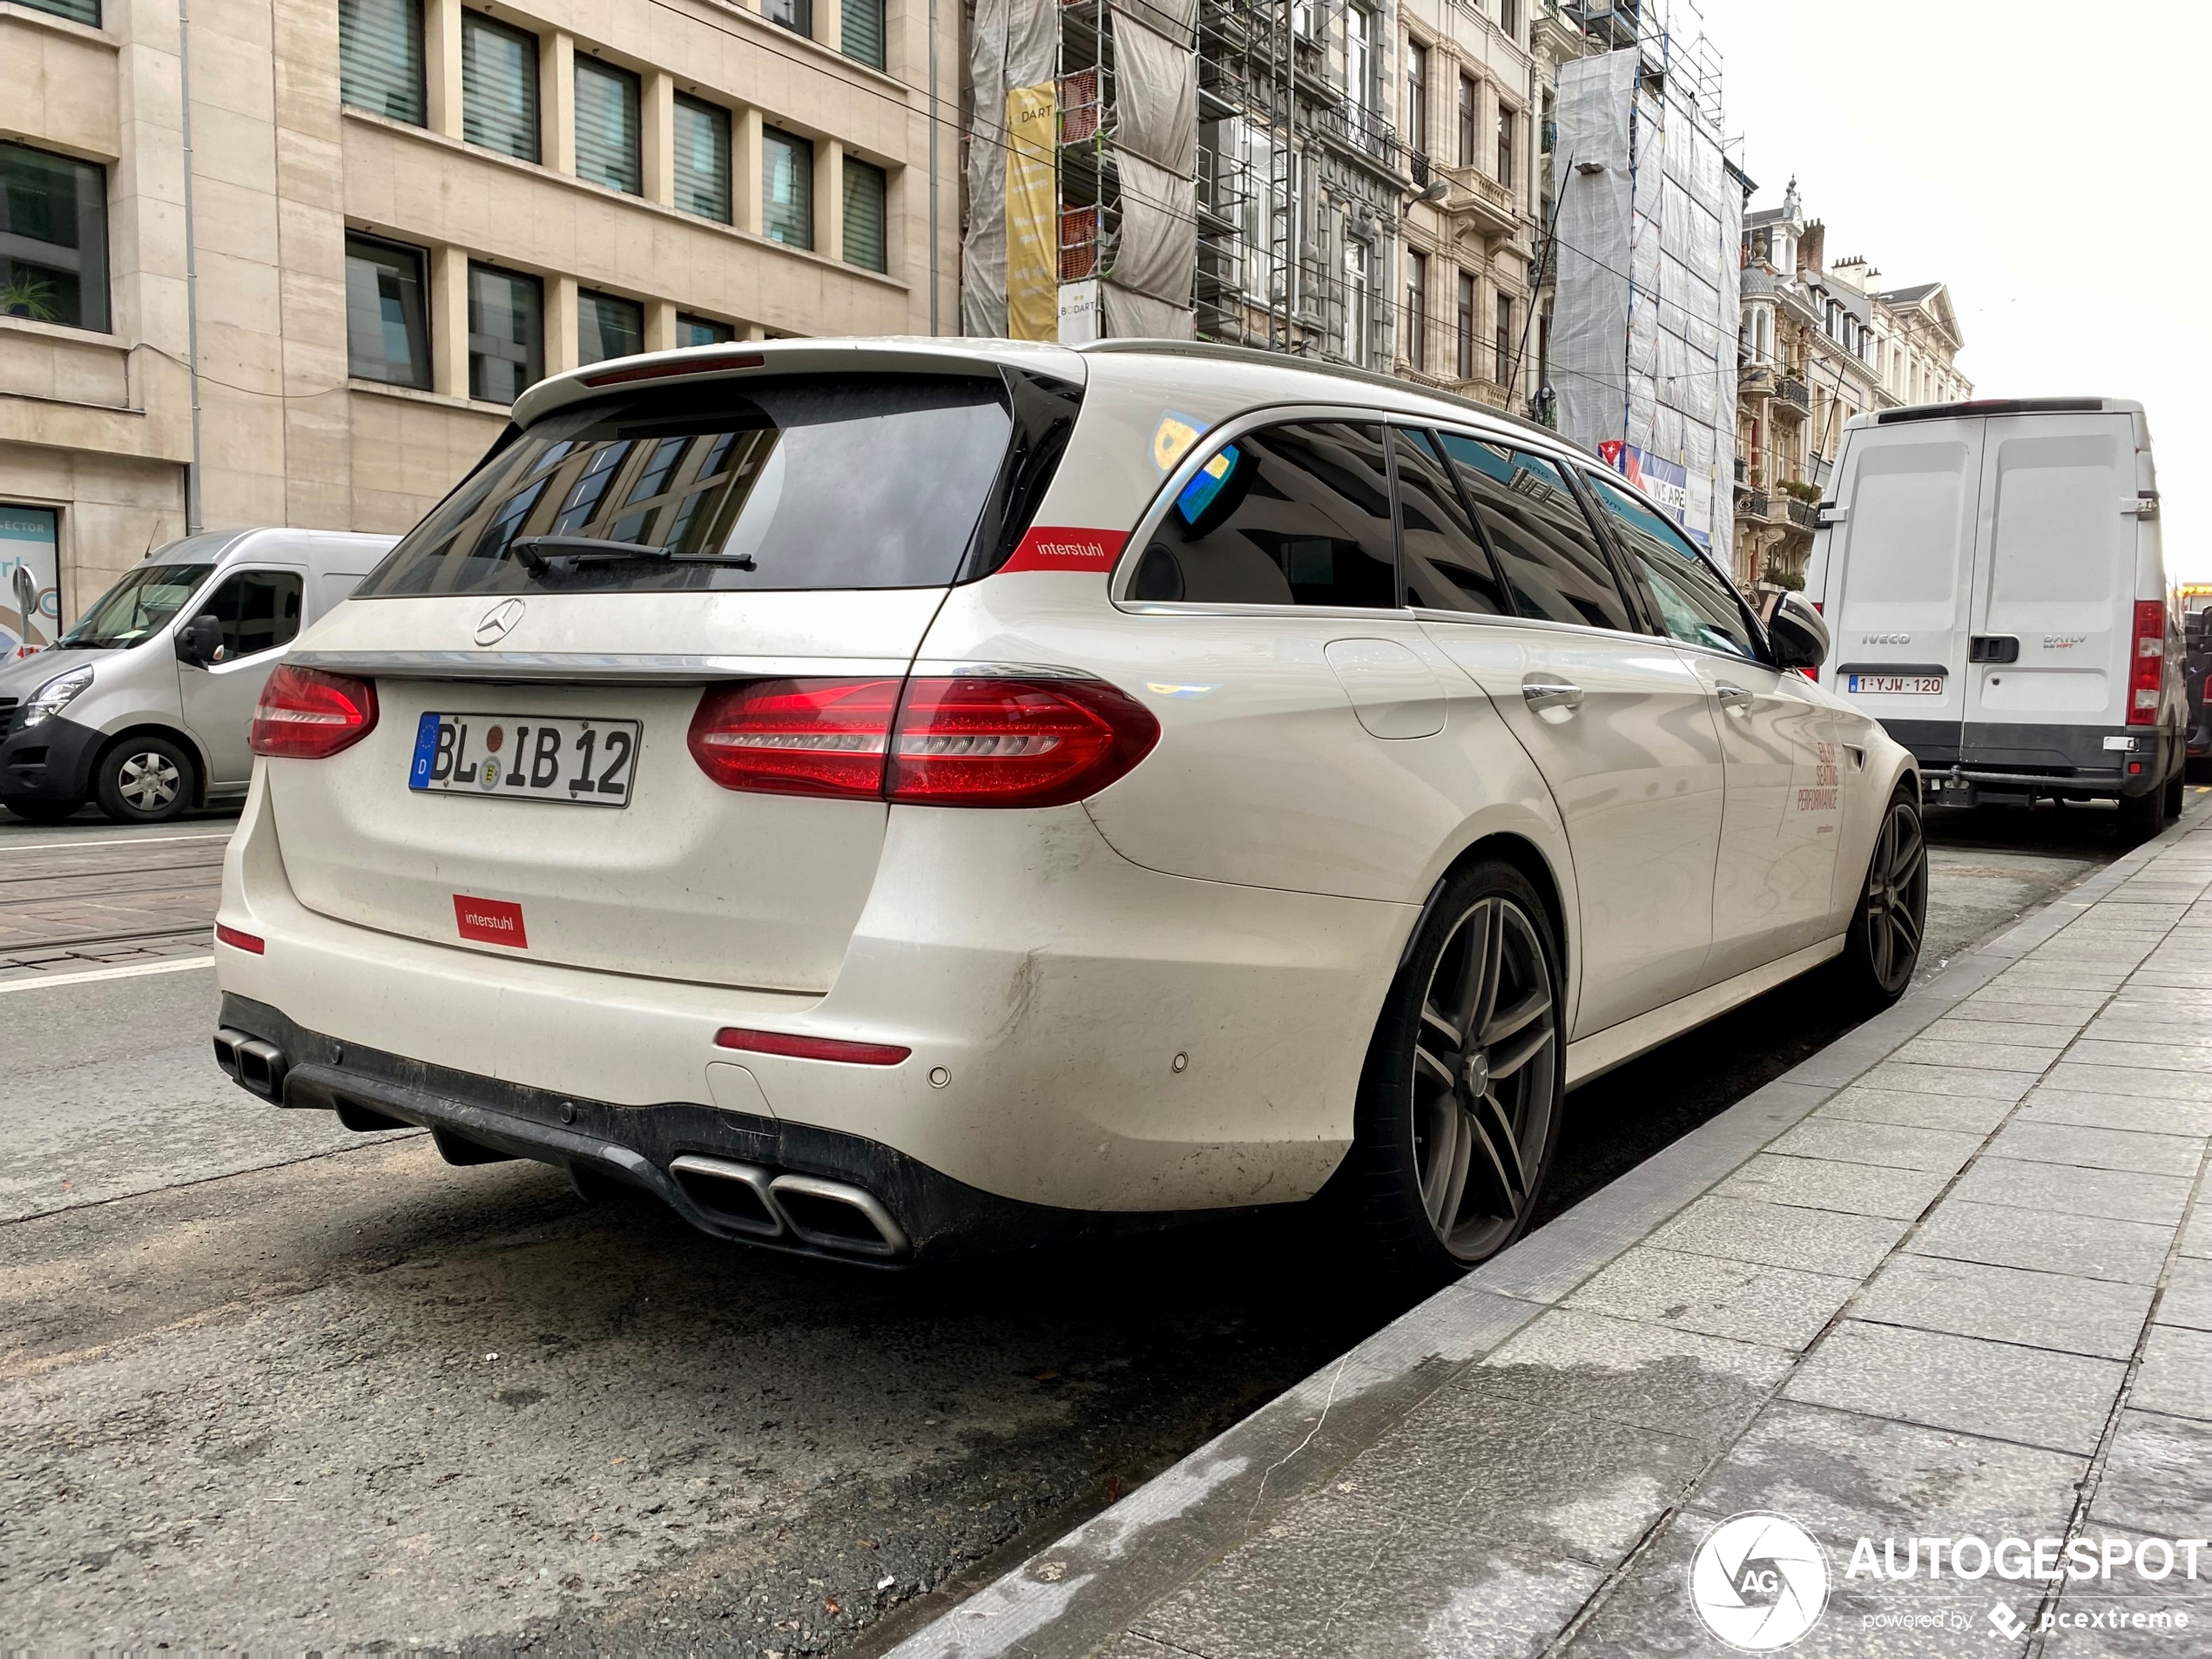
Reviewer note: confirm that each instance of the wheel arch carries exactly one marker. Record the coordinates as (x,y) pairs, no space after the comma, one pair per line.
(162,729)
(1508,847)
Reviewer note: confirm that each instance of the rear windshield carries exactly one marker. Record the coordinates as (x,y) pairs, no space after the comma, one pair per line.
(813,482)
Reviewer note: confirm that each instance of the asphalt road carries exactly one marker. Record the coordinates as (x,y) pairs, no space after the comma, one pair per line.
(265,1382)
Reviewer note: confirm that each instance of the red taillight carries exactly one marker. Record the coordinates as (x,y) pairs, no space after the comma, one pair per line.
(305,714)
(238,940)
(971,741)
(2147,663)
(852,1054)
(797,737)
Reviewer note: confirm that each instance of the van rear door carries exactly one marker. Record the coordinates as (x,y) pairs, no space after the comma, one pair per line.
(2054,587)
(1900,605)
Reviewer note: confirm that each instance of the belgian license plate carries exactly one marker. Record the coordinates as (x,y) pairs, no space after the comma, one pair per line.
(1896,685)
(525,757)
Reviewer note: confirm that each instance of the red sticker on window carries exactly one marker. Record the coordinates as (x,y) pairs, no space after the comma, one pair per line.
(493,920)
(1067,549)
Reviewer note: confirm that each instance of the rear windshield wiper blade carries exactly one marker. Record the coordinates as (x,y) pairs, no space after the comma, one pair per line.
(577,549)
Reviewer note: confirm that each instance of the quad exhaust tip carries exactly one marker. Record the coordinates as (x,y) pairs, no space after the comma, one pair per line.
(829,1215)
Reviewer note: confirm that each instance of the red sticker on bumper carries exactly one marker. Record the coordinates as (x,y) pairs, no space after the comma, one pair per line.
(493,920)
(1066,549)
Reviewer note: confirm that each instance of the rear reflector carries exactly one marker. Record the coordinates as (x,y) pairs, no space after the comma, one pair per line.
(2147,664)
(852,1054)
(971,741)
(680,366)
(305,714)
(238,940)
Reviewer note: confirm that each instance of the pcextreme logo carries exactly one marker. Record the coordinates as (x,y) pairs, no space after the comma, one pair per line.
(1759,1581)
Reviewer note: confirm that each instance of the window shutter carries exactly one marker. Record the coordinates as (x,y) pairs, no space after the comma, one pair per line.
(380,56)
(607,125)
(702,160)
(498,87)
(866,215)
(861,24)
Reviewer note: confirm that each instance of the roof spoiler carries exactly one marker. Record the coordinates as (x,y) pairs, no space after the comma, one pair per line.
(1994,406)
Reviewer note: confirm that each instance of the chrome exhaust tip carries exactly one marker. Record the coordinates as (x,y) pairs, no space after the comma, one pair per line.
(832,1216)
(735,1194)
(260,1067)
(227,1041)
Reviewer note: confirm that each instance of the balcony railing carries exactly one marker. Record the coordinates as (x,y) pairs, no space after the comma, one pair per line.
(1755,505)
(1481,199)
(1794,391)
(1804,514)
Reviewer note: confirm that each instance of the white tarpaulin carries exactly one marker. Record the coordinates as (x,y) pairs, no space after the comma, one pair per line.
(1015,43)
(1156,96)
(1138,316)
(1158,250)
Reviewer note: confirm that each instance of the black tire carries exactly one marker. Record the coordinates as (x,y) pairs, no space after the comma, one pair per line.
(1888,922)
(144,780)
(2141,816)
(44,811)
(1452,1140)
(2173,788)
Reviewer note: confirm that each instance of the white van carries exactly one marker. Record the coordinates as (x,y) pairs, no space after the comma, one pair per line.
(146,705)
(1992,577)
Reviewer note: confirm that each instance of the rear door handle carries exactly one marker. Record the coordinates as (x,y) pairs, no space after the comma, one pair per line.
(1551,694)
(1732,697)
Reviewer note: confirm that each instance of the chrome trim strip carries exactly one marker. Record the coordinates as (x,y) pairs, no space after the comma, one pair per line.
(635,668)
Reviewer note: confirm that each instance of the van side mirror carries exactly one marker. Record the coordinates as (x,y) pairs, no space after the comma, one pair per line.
(1796,633)
(200,640)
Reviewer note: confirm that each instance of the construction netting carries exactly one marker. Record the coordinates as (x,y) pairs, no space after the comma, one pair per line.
(1644,322)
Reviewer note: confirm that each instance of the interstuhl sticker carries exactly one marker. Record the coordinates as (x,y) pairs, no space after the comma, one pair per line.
(494,921)
(1061,548)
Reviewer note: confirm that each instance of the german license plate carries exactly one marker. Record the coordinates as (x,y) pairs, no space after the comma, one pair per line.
(1896,685)
(525,757)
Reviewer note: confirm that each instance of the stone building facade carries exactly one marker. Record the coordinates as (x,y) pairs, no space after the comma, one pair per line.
(305,291)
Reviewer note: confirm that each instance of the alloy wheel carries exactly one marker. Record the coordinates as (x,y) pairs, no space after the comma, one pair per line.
(1485,1067)
(148,781)
(1896,904)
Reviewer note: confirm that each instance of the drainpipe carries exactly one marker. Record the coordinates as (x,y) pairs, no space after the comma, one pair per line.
(934,254)
(193,523)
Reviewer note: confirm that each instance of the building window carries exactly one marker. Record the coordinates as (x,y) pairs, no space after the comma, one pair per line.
(1417,96)
(797,16)
(702,160)
(867,219)
(1509,17)
(703,331)
(1417,308)
(1357,318)
(379,56)
(607,325)
(786,188)
(1505,145)
(1470,118)
(506,334)
(84,11)
(607,102)
(860,25)
(53,239)
(1465,330)
(498,86)
(388,333)
(1505,341)
(1360,55)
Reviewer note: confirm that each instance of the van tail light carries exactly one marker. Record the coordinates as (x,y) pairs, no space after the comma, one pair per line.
(797,737)
(305,714)
(975,740)
(2147,663)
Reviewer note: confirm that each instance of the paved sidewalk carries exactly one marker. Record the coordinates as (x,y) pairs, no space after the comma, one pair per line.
(1949,1279)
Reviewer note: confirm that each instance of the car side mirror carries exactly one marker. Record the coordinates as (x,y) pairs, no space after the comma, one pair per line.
(200,640)
(1797,633)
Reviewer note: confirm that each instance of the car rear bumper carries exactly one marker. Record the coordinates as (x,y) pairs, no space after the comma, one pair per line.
(2072,760)
(1083,1034)
(53,761)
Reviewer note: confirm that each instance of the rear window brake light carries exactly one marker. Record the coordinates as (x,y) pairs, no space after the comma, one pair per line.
(679,366)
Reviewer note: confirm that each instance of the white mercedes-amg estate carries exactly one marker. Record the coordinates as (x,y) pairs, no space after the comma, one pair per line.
(894,797)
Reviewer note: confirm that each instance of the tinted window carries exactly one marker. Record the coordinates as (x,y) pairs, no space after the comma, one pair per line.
(1446,566)
(1293,514)
(260,610)
(1530,516)
(828,481)
(1697,606)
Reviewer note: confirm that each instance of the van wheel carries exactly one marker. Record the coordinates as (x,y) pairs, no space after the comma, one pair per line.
(1461,1101)
(143,780)
(1883,946)
(2141,816)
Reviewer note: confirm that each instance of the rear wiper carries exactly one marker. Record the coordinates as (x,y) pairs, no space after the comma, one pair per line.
(577,549)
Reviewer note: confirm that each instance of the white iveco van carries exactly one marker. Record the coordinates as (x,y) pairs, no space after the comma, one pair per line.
(1992,577)
(146,705)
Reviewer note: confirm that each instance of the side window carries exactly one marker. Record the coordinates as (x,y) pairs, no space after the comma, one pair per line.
(260,610)
(1446,567)
(1550,557)
(1291,515)
(1697,607)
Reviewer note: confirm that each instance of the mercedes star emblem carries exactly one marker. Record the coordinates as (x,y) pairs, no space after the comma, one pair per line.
(498,622)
